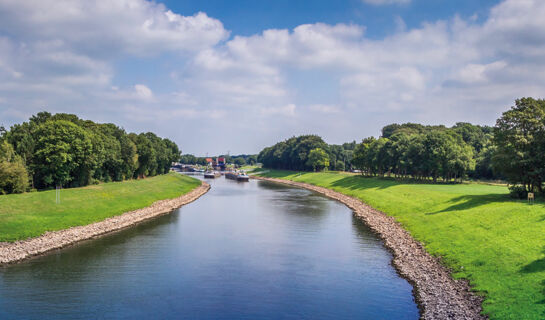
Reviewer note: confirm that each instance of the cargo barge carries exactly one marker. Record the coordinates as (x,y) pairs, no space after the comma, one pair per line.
(238,176)
(212,174)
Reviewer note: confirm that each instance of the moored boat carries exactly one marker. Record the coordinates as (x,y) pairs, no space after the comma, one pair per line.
(212,174)
(238,176)
(243,177)
(209,175)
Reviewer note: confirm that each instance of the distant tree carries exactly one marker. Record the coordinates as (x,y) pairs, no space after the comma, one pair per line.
(483,164)
(361,155)
(318,159)
(389,130)
(147,163)
(291,154)
(62,149)
(239,161)
(339,166)
(349,145)
(13,174)
(519,137)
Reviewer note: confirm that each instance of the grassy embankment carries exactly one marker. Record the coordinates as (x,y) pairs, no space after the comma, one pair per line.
(31,214)
(249,168)
(496,242)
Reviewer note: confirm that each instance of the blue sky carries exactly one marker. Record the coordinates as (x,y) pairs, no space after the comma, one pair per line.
(250,17)
(241,75)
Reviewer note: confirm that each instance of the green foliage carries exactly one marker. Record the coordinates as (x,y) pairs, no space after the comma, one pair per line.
(293,153)
(239,161)
(478,231)
(518,192)
(63,149)
(403,150)
(519,137)
(318,159)
(416,151)
(34,213)
(13,174)
(339,166)
(13,177)
(63,154)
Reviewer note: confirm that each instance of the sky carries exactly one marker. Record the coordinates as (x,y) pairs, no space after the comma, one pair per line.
(222,76)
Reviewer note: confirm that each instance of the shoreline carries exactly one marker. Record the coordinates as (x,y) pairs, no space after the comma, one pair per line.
(13,252)
(437,294)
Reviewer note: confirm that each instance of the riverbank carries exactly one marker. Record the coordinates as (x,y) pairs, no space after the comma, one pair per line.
(437,293)
(29,215)
(11,252)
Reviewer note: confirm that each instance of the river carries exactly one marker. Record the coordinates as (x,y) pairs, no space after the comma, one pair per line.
(254,250)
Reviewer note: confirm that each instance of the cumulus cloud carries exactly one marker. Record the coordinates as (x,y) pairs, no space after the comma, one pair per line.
(440,72)
(142,91)
(103,28)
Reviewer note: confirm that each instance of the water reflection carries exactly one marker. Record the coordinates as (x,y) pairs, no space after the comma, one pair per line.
(253,250)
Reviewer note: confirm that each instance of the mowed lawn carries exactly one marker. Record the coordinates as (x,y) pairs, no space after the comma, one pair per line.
(32,214)
(494,241)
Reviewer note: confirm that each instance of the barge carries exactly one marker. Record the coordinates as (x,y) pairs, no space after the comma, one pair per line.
(238,176)
(211,174)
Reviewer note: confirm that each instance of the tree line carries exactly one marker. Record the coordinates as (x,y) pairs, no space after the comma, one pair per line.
(426,152)
(512,150)
(295,154)
(62,149)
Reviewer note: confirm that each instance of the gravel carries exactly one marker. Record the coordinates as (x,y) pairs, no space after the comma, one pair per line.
(11,252)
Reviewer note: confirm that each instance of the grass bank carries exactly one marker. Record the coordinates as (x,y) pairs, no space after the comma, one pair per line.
(32,214)
(495,242)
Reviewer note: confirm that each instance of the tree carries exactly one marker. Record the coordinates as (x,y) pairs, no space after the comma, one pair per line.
(147,163)
(519,137)
(62,149)
(239,162)
(318,159)
(339,166)
(360,156)
(13,174)
(291,154)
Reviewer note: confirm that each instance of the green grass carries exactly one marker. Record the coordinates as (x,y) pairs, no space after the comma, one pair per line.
(249,168)
(32,214)
(494,241)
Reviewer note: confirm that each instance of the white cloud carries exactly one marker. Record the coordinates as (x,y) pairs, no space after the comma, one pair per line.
(105,28)
(287,110)
(142,91)
(440,72)
(324,108)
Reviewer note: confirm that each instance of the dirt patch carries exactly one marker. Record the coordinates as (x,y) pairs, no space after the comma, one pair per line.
(11,252)
(438,295)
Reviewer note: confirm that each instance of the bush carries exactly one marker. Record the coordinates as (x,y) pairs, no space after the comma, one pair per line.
(518,192)
(13,177)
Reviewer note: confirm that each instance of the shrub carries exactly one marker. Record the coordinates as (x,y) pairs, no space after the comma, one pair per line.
(518,192)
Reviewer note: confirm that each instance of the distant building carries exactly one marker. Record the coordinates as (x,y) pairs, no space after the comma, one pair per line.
(220,163)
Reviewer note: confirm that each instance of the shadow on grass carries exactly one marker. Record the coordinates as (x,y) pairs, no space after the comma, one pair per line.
(466,202)
(362,183)
(535,266)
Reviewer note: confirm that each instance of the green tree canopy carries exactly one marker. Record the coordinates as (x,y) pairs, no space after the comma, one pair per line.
(318,159)
(519,138)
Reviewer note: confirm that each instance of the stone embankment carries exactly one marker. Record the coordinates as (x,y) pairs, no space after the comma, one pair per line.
(11,252)
(438,295)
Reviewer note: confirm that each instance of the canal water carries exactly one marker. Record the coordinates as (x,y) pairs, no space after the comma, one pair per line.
(254,250)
